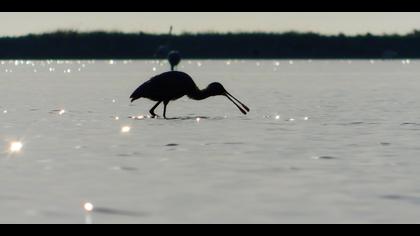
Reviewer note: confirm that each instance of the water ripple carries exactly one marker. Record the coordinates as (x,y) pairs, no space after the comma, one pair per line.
(110,211)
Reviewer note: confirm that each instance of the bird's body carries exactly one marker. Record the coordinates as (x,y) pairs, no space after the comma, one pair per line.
(168,86)
(173,85)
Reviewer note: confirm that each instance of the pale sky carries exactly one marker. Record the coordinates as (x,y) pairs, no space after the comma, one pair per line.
(20,23)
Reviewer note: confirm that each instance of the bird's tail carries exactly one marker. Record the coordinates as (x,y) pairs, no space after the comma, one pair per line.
(133,99)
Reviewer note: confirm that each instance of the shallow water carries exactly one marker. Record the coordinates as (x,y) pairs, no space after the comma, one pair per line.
(325,142)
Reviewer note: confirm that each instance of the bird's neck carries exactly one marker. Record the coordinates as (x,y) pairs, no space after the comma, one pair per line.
(198,94)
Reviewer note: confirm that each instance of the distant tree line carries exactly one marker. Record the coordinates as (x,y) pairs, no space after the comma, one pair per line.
(114,45)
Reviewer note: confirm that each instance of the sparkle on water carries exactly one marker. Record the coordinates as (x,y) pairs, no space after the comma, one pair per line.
(405,62)
(88,207)
(125,129)
(15,146)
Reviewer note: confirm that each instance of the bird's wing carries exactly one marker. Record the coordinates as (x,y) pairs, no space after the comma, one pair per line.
(166,86)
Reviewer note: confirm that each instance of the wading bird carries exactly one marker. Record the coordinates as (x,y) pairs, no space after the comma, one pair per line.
(163,50)
(174,59)
(173,85)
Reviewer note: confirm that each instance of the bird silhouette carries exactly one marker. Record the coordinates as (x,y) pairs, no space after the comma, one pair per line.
(173,85)
(163,50)
(174,59)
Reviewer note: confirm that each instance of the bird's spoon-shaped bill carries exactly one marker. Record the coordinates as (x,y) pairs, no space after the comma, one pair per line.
(230,96)
(240,108)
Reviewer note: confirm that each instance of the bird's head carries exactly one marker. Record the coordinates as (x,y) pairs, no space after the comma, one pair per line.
(217,89)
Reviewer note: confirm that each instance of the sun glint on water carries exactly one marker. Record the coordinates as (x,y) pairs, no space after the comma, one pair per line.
(88,207)
(15,147)
(125,129)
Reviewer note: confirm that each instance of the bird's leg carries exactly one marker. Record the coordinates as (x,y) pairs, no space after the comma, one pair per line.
(152,111)
(164,108)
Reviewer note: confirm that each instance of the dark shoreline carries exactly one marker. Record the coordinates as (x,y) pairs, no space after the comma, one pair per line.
(290,45)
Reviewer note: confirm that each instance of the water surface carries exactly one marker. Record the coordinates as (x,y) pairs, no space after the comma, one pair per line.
(326,141)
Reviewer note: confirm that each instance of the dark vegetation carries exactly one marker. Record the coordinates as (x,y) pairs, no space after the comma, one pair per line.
(114,45)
